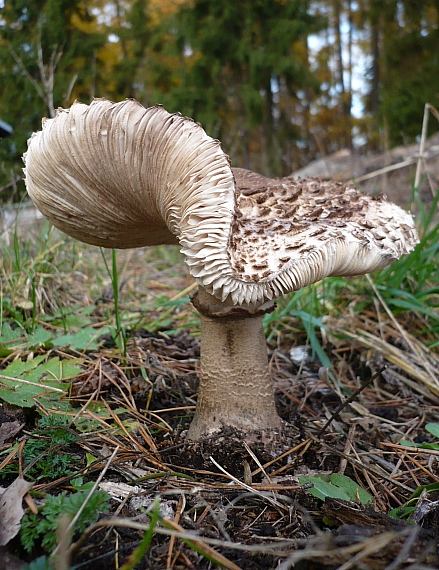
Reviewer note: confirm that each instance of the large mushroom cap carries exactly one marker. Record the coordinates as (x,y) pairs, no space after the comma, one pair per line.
(119,175)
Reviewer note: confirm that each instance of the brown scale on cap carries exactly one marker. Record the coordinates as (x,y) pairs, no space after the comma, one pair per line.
(281,221)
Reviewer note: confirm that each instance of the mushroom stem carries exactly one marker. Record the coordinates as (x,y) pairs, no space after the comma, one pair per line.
(235,385)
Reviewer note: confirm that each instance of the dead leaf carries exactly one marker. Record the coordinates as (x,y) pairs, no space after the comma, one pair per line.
(8,430)
(11,509)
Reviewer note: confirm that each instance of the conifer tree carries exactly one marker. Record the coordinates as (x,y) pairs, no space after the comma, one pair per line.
(241,67)
(405,71)
(46,50)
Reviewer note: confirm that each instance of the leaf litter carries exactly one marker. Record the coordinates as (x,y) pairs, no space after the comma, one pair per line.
(11,509)
(344,497)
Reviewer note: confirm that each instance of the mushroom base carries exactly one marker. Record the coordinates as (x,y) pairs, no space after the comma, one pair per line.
(235,385)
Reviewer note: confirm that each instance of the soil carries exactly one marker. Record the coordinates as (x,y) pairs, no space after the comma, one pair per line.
(243,499)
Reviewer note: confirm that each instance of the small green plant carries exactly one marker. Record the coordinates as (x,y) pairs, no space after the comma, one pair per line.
(43,454)
(408,508)
(40,529)
(335,486)
(431,428)
(23,381)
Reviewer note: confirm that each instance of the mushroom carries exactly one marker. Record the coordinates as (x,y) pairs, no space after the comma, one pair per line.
(122,176)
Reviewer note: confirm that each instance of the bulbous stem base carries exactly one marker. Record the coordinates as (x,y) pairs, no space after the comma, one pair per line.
(235,385)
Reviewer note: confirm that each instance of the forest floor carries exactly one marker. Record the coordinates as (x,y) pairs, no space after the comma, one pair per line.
(351,483)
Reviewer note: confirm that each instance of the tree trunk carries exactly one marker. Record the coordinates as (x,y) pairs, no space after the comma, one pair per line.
(344,102)
(375,81)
